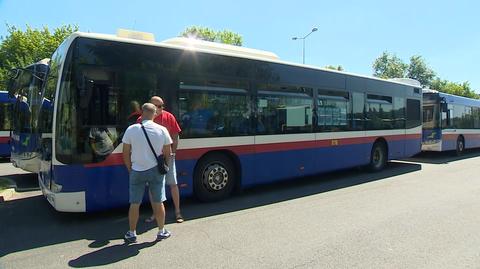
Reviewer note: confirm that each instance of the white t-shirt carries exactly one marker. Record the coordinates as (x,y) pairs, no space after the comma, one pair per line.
(142,156)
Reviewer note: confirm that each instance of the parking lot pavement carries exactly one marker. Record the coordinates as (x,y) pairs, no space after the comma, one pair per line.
(419,213)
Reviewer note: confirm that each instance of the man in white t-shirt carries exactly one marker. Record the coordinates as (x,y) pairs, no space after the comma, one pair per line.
(142,167)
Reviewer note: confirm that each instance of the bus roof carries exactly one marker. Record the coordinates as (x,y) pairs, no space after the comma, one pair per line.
(183,43)
(454,99)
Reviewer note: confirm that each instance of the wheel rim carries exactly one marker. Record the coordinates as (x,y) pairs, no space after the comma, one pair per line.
(377,157)
(215,177)
(460,145)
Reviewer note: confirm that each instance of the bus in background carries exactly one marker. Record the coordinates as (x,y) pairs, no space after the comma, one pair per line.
(25,86)
(450,122)
(247,117)
(6,104)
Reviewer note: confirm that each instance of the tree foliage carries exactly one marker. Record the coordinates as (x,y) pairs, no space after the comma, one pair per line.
(207,34)
(21,48)
(335,67)
(390,66)
(418,69)
(461,89)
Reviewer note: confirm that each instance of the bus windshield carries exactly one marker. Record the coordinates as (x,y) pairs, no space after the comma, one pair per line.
(25,85)
(431,116)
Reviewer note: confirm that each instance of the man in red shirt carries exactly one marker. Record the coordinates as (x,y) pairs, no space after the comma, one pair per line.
(167,120)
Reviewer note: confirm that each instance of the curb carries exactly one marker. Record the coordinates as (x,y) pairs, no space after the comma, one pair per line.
(6,194)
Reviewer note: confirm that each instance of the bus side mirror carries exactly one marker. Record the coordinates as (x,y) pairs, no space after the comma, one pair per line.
(14,73)
(12,82)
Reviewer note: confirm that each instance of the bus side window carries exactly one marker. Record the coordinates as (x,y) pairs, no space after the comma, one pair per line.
(284,109)
(207,110)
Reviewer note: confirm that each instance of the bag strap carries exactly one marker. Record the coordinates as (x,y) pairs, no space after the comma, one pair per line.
(149,143)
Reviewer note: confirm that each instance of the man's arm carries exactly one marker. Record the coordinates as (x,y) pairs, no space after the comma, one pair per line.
(127,150)
(167,150)
(175,138)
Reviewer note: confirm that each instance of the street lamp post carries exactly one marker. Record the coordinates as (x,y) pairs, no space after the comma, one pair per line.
(303,39)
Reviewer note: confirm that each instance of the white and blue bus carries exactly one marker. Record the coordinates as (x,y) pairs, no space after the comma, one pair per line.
(25,86)
(6,104)
(450,122)
(247,117)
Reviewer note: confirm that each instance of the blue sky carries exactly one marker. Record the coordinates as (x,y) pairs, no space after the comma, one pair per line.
(351,33)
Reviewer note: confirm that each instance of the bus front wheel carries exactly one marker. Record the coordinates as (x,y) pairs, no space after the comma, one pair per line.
(378,157)
(460,146)
(214,178)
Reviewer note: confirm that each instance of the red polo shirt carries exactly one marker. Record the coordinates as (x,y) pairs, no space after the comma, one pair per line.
(167,120)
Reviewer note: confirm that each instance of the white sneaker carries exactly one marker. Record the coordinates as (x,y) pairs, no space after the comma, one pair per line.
(130,237)
(163,234)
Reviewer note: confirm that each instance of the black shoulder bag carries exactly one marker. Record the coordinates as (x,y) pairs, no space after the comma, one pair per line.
(162,166)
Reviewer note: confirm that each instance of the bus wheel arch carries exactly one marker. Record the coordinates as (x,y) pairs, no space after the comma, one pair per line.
(378,155)
(216,175)
(460,146)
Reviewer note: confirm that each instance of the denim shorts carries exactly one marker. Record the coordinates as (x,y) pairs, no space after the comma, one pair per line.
(171,176)
(150,177)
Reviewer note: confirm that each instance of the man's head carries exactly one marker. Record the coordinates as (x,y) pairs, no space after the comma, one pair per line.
(134,106)
(158,102)
(148,111)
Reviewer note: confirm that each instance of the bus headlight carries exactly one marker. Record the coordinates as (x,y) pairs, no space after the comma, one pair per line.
(56,187)
(431,142)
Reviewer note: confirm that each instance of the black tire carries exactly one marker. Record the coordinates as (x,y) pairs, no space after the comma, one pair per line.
(378,157)
(460,146)
(214,178)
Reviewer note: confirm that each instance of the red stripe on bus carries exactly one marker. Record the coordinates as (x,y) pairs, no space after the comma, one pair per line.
(455,136)
(112,159)
(4,139)
(188,154)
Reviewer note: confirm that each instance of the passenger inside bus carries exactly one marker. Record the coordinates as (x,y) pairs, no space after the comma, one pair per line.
(198,119)
(102,141)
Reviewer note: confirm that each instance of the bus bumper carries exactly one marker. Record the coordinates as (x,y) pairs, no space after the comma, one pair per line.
(64,201)
(436,146)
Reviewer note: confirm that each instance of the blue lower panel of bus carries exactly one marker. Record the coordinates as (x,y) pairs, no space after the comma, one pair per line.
(4,149)
(107,187)
(412,147)
(472,142)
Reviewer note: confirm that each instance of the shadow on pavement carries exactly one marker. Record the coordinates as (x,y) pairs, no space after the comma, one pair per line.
(32,223)
(443,157)
(109,255)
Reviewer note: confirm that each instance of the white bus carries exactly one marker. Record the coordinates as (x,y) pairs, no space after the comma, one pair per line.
(247,117)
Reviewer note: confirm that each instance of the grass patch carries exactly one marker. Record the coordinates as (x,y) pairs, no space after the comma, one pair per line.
(4,184)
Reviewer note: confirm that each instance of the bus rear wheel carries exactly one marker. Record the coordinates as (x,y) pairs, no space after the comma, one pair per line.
(378,157)
(214,178)
(460,146)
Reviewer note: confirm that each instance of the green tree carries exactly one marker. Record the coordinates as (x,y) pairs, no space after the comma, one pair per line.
(21,48)
(461,89)
(207,34)
(389,66)
(335,67)
(418,69)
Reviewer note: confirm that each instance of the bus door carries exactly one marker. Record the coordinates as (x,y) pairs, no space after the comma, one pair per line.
(333,130)
(284,140)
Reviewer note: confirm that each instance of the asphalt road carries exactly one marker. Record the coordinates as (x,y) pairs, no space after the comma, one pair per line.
(421,213)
